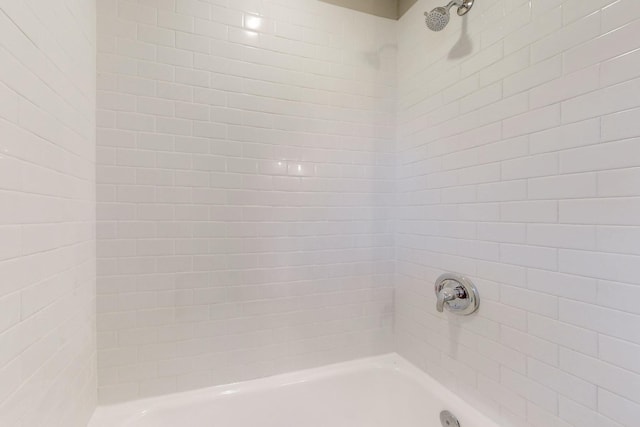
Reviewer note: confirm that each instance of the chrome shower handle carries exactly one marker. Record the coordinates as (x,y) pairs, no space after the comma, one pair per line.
(448,294)
(457,294)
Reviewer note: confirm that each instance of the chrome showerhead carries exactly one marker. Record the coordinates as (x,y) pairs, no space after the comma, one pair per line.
(439,17)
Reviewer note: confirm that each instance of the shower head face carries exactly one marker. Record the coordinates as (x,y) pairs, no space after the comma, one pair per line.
(437,19)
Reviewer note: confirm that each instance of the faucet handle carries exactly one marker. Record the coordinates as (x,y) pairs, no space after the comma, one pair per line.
(459,292)
(445,295)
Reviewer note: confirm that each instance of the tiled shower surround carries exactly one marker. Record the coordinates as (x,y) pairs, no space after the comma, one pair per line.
(47,213)
(518,165)
(245,169)
(269,171)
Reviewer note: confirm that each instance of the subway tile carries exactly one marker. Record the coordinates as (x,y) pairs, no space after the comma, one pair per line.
(606,46)
(530,345)
(47,207)
(601,157)
(619,182)
(546,19)
(604,375)
(621,125)
(566,87)
(533,76)
(616,14)
(577,414)
(530,167)
(621,68)
(156,35)
(533,121)
(564,334)
(608,100)
(563,285)
(533,391)
(606,296)
(577,9)
(529,211)
(580,390)
(502,232)
(563,187)
(618,408)
(276,148)
(622,240)
(570,35)
(502,394)
(532,302)
(608,211)
(174,21)
(222,122)
(505,67)
(137,13)
(618,352)
(567,136)
(603,320)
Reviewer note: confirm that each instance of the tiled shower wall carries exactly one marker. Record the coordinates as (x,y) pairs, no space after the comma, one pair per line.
(245,178)
(519,166)
(47,213)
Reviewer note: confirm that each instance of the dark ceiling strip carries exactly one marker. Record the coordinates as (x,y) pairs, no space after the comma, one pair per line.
(391,9)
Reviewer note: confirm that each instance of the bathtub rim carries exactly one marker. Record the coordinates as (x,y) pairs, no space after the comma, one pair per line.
(119,413)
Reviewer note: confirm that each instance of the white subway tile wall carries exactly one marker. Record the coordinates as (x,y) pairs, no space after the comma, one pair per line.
(519,166)
(245,181)
(47,213)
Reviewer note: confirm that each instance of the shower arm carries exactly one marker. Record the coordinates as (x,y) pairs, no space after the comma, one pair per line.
(453,3)
(463,6)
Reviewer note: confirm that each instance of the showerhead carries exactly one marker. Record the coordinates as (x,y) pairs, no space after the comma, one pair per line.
(439,17)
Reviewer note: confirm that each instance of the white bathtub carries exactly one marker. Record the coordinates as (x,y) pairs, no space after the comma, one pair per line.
(384,391)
